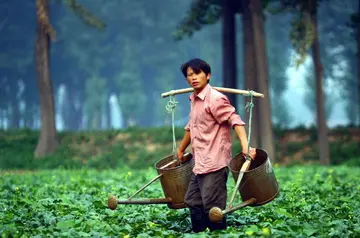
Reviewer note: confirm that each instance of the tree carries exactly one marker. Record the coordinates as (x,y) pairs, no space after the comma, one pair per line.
(304,35)
(48,140)
(206,12)
(256,71)
(355,26)
(356,21)
(82,44)
(229,47)
(310,98)
(278,51)
(131,97)
(321,121)
(358,57)
(95,91)
(338,51)
(15,59)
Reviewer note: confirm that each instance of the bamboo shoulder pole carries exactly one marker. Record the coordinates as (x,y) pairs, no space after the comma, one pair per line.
(220,89)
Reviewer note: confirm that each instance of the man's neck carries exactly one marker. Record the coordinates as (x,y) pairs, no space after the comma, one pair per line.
(199,90)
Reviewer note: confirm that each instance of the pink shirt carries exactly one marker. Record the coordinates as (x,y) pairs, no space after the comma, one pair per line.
(211,119)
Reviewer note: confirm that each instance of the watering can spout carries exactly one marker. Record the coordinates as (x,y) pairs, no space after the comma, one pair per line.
(113,202)
(216,214)
(256,183)
(174,177)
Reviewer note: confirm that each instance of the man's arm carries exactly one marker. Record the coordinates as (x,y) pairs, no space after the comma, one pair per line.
(223,111)
(183,144)
(241,133)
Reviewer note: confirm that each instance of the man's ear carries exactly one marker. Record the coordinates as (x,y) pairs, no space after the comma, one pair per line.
(208,76)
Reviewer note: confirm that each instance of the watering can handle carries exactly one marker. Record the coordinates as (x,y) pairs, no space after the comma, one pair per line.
(174,161)
(187,156)
(143,187)
(243,169)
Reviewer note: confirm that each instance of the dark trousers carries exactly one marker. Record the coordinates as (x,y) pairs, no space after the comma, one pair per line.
(204,192)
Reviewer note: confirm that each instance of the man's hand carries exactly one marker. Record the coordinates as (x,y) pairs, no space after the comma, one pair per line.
(252,153)
(179,155)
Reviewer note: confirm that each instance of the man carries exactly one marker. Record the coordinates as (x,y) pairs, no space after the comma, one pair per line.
(208,130)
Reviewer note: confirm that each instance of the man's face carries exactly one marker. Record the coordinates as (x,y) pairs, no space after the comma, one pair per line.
(197,81)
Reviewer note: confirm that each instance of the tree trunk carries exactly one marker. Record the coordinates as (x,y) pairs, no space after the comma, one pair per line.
(358,61)
(320,104)
(2,118)
(229,48)
(48,140)
(264,105)
(8,117)
(250,73)
(29,116)
(14,121)
(15,112)
(98,118)
(108,113)
(73,115)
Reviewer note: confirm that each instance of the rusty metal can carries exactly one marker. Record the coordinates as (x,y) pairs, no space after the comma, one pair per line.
(259,180)
(175,179)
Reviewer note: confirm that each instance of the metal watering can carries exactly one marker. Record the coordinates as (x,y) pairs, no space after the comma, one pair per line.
(258,185)
(174,178)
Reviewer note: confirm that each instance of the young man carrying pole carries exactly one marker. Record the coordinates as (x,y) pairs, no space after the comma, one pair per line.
(209,132)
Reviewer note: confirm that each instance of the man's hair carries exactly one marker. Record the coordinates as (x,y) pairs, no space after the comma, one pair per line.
(197,66)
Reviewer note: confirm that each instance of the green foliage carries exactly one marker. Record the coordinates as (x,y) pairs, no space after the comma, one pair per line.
(303,31)
(302,36)
(345,153)
(84,14)
(92,149)
(314,201)
(139,148)
(203,12)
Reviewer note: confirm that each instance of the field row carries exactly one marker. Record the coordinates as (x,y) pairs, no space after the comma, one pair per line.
(314,201)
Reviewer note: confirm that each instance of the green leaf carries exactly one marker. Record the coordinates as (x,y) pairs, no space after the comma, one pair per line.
(65,224)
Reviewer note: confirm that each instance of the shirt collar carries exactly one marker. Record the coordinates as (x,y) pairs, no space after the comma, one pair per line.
(202,94)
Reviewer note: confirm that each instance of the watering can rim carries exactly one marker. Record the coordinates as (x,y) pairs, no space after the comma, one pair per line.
(173,154)
(248,171)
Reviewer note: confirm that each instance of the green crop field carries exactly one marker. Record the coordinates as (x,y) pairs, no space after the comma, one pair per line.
(314,202)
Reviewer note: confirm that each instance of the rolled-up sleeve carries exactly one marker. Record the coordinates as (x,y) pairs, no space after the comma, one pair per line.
(223,111)
(187,127)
